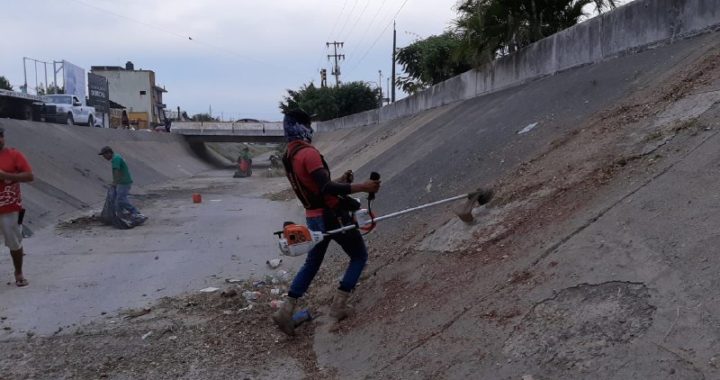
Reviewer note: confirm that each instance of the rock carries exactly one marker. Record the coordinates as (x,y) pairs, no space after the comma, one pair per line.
(274,263)
(137,313)
(228,293)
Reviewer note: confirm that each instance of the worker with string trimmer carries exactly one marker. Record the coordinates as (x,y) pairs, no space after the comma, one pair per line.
(327,207)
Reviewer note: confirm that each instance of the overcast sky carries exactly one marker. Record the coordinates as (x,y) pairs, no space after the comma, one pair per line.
(238,57)
(243,54)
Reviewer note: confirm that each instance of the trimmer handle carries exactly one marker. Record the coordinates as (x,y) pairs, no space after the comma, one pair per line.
(375,176)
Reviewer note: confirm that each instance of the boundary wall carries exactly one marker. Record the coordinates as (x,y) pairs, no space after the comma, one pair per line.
(638,25)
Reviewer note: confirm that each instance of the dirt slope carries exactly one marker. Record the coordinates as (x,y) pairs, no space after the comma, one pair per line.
(595,260)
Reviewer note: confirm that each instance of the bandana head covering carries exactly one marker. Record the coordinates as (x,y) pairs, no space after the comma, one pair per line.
(297,126)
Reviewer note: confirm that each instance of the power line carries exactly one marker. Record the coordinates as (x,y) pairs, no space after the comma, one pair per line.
(379,36)
(337,20)
(362,36)
(357,19)
(219,49)
(348,18)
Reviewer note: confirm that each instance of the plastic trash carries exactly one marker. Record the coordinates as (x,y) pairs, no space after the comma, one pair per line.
(258,284)
(274,263)
(209,289)
(276,304)
(275,291)
(250,295)
(301,317)
(283,275)
(527,129)
(248,307)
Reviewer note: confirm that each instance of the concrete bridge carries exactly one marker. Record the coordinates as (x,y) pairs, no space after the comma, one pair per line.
(214,131)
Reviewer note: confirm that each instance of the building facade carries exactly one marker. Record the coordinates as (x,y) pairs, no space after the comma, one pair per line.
(137,92)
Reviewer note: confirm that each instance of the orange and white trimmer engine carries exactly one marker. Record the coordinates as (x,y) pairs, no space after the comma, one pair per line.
(364,219)
(297,240)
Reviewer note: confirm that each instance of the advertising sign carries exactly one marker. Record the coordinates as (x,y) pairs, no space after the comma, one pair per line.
(74,80)
(99,95)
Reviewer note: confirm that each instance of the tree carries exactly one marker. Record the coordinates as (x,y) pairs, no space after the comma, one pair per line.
(203,117)
(492,28)
(429,61)
(5,84)
(484,31)
(332,102)
(51,89)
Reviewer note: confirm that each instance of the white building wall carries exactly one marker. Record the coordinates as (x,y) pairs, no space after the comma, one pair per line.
(125,87)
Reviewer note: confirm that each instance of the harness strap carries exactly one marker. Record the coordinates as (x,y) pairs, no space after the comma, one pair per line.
(309,199)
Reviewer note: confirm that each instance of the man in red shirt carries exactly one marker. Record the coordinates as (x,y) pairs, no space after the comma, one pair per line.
(309,176)
(14,169)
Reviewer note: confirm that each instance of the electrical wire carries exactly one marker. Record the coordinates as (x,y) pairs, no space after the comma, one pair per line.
(349,16)
(337,20)
(361,40)
(332,30)
(357,20)
(218,49)
(378,37)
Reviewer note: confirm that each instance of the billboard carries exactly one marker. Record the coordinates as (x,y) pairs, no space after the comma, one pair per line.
(74,80)
(99,95)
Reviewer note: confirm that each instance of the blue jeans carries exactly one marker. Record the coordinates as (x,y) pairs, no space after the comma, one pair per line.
(121,199)
(350,241)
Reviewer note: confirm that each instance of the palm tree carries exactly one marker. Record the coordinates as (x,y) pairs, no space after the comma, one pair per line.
(492,28)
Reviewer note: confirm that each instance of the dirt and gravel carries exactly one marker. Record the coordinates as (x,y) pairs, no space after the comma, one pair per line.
(207,335)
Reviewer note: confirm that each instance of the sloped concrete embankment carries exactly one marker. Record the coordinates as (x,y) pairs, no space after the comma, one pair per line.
(595,259)
(632,27)
(69,174)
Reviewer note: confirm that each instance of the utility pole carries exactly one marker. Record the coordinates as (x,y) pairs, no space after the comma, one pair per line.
(336,68)
(392,90)
(380,85)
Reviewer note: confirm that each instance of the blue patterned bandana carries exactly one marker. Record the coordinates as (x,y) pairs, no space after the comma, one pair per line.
(296,131)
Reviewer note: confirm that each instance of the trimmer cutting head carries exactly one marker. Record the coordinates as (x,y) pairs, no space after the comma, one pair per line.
(480,196)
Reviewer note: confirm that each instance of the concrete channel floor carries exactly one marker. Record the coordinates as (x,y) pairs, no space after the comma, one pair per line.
(82,270)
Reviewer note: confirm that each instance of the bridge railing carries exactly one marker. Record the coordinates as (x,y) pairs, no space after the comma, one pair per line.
(228,128)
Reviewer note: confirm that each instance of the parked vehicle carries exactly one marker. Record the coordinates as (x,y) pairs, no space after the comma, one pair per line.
(17,105)
(69,110)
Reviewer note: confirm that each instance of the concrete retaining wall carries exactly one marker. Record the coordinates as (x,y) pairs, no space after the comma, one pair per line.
(69,174)
(635,26)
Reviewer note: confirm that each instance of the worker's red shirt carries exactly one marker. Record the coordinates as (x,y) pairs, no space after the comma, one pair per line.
(11,161)
(305,162)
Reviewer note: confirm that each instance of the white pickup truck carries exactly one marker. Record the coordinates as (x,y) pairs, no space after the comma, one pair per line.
(69,110)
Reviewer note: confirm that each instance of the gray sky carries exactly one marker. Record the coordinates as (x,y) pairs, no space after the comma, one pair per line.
(243,54)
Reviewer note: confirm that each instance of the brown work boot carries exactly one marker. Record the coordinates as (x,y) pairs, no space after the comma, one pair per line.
(340,309)
(283,317)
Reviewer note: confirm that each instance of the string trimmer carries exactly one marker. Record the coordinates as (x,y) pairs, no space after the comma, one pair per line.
(297,239)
